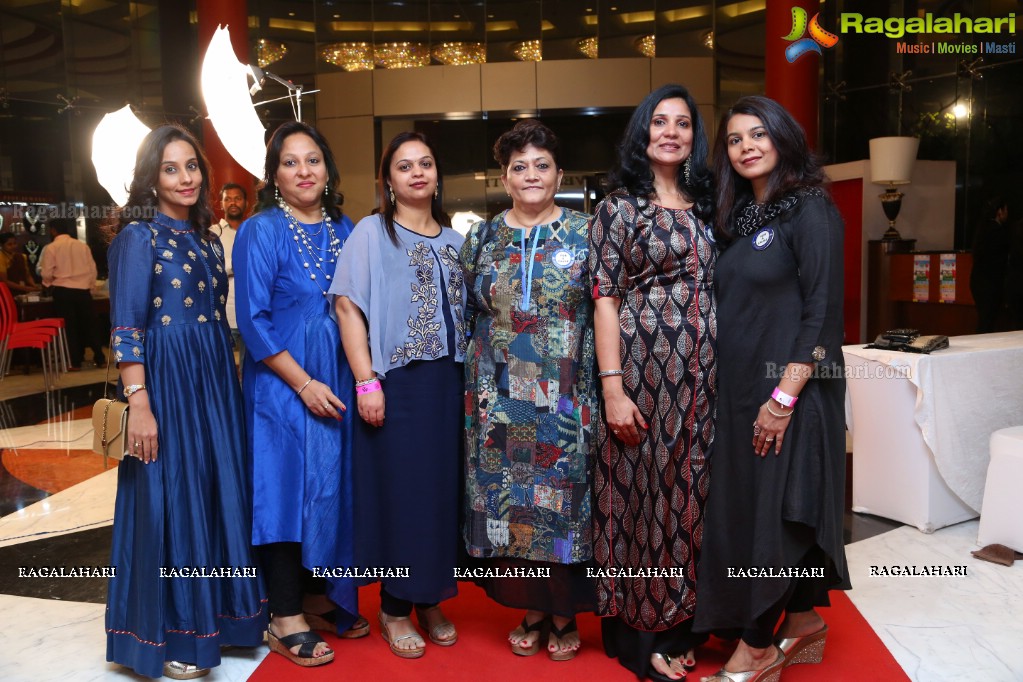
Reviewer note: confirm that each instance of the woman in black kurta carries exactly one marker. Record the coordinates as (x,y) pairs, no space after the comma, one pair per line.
(779,470)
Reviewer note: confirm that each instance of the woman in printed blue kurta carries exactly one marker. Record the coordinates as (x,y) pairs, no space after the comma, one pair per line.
(183,499)
(531,396)
(297,383)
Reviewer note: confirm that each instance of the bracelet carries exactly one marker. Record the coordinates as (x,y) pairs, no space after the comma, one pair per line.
(611,373)
(299,391)
(366,382)
(372,386)
(782,416)
(783,398)
(129,391)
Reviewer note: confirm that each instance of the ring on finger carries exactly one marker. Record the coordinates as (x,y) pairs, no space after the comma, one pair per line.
(770,438)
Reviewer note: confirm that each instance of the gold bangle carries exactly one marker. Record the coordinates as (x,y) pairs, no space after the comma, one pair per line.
(781,416)
(131,390)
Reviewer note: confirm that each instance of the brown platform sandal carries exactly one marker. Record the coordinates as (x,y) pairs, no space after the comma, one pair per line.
(539,626)
(438,622)
(415,652)
(304,657)
(570,627)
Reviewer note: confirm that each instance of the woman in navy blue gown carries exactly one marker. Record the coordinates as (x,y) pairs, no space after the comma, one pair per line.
(183,507)
(297,385)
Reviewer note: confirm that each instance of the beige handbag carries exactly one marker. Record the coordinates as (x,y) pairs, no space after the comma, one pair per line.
(109,422)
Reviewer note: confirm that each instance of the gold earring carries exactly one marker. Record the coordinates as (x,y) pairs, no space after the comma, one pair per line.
(436,192)
(390,192)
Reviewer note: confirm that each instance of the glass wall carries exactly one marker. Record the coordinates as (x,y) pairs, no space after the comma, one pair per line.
(67,62)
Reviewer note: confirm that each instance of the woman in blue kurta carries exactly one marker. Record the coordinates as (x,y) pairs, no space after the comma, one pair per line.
(183,505)
(297,385)
(400,306)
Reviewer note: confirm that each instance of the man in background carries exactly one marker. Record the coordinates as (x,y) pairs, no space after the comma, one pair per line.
(69,270)
(234,200)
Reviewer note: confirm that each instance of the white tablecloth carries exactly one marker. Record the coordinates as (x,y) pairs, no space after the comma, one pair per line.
(960,396)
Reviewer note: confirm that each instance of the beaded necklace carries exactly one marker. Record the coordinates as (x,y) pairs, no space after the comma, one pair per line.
(311,255)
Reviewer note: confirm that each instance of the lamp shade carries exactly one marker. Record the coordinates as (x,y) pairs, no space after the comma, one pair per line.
(225,88)
(115,143)
(891,159)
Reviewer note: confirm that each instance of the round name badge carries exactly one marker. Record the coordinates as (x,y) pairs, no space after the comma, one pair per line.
(563,258)
(763,239)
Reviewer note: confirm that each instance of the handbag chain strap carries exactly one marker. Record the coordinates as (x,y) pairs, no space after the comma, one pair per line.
(106,379)
(103,436)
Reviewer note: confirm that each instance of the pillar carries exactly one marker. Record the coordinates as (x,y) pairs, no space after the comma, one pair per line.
(211,15)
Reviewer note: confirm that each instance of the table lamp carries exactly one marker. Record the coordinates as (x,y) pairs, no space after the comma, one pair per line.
(891,164)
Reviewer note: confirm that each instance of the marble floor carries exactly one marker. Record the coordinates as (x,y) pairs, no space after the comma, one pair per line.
(56,508)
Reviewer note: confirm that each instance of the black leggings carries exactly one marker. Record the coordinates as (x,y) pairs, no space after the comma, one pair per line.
(398,608)
(798,598)
(287,580)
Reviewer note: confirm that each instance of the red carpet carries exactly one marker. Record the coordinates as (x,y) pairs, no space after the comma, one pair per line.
(853,653)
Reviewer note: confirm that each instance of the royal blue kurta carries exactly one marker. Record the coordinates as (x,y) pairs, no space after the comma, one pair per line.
(301,463)
(190,510)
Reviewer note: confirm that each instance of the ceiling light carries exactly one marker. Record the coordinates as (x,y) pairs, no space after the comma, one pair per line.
(588,46)
(528,51)
(349,56)
(459,53)
(269,51)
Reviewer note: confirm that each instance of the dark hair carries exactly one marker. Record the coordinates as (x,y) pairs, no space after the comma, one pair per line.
(797,167)
(4,236)
(142,200)
(384,177)
(524,133)
(63,225)
(633,168)
(333,202)
(235,185)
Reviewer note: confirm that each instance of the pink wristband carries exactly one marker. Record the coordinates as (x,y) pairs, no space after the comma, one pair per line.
(783,398)
(371,387)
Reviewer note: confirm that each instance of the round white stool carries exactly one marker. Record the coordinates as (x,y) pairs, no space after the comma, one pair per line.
(1001,518)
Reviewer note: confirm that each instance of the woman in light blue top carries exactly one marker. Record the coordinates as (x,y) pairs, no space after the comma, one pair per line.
(400,307)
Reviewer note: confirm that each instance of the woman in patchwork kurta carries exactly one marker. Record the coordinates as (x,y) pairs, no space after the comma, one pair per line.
(530,398)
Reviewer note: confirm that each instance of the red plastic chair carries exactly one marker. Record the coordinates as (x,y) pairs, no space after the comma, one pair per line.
(47,336)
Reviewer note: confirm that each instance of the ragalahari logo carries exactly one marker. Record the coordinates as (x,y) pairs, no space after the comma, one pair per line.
(818,36)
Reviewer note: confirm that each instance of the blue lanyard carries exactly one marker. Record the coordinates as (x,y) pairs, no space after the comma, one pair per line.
(527,270)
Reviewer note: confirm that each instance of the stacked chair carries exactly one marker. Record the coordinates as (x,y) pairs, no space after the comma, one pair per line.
(48,336)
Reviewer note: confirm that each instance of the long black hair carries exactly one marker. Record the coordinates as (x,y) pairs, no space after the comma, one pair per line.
(384,183)
(142,200)
(333,201)
(633,170)
(797,167)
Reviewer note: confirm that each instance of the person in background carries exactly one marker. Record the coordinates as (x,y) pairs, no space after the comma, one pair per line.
(400,306)
(297,386)
(531,396)
(652,255)
(184,502)
(234,201)
(69,271)
(991,249)
(14,269)
(777,481)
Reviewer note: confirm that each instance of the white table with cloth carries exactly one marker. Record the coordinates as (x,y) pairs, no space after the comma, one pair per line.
(921,425)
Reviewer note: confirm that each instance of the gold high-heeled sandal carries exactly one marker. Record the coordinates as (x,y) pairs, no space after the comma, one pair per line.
(771,673)
(805,649)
